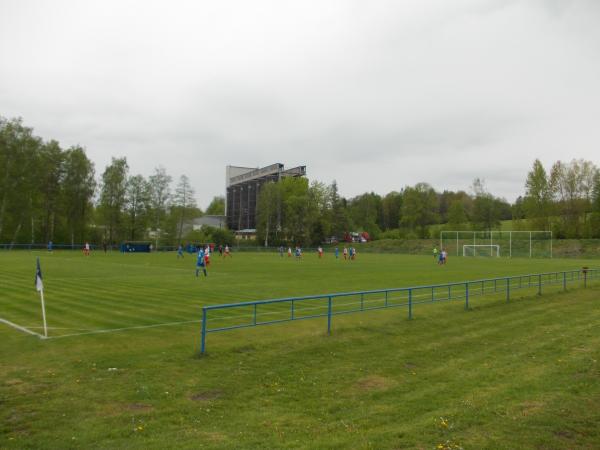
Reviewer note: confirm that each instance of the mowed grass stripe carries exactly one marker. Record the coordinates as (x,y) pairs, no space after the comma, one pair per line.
(426,395)
(292,386)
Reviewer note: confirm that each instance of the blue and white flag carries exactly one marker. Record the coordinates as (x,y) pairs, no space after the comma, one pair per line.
(39,285)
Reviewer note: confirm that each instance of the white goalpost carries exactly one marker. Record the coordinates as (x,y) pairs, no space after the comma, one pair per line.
(529,243)
(488,250)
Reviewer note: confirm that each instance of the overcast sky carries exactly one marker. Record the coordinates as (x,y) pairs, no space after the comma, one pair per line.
(374,94)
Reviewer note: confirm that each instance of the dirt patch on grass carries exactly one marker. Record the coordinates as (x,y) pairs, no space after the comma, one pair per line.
(531,408)
(139,407)
(375,383)
(213,394)
(214,436)
(565,434)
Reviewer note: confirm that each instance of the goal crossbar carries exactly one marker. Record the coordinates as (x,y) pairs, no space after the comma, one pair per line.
(491,237)
(491,247)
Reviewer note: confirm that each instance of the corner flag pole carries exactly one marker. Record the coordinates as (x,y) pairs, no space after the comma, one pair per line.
(39,285)
(44,313)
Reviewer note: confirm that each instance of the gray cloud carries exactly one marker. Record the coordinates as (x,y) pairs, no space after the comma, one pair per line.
(375,95)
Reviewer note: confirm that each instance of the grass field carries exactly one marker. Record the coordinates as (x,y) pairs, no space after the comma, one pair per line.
(518,375)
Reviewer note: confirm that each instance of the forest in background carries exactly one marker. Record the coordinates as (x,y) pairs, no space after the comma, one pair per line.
(49,193)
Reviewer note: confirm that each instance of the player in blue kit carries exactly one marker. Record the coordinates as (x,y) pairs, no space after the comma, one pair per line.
(180,251)
(201,263)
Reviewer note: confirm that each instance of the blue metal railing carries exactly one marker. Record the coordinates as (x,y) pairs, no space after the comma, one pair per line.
(267,312)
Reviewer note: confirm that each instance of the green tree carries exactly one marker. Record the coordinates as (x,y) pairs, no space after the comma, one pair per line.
(137,204)
(268,206)
(366,213)
(486,212)
(391,205)
(19,169)
(112,198)
(319,212)
(160,194)
(572,185)
(50,177)
(340,220)
(419,208)
(78,189)
(183,204)
(216,207)
(457,216)
(295,214)
(537,204)
(21,187)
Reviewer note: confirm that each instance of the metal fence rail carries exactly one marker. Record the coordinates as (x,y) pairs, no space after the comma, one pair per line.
(233,316)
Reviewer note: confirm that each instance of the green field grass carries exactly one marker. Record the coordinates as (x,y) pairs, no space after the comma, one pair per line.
(523,374)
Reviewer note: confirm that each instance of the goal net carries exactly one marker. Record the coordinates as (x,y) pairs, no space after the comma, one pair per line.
(481,250)
(514,244)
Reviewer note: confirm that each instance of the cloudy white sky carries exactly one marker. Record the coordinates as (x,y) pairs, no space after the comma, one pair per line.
(376,95)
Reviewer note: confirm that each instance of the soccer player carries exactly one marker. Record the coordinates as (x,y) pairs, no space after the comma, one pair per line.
(320,250)
(352,253)
(298,253)
(49,246)
(345,253)
(180,251)
(207,256)
(201,263)
(289,252)
(337,253)
(227,251)
(444,256)
(220,250)
(281,251)
(435,253)
(441,258)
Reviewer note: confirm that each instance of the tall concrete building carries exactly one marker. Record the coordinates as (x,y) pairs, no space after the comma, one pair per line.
(243,187)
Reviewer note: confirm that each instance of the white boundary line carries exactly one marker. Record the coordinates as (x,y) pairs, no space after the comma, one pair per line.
(20,328)
(112,330)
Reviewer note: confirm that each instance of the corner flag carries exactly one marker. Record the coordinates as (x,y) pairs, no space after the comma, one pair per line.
(39,284)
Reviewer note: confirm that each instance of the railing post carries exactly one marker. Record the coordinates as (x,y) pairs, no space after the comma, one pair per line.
(329,316)
(203,339)
(467,295)
(585,277)
(255,314)
(540,284)
(564,281)
(410,303)
(362,301)
(292,309)
(386,298)
(507,289)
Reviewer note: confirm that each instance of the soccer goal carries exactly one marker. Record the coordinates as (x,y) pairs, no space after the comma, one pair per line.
(481,250)
(522,244)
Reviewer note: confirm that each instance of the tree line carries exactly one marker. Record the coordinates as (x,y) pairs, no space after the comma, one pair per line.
(48,193)
(565,200)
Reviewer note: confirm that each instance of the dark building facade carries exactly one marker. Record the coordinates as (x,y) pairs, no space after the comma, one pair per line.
(243,187)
